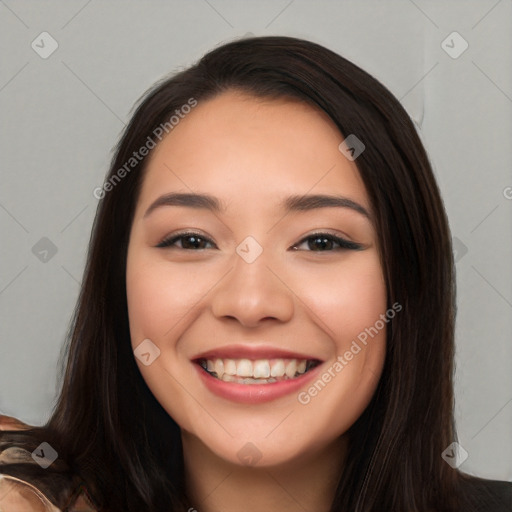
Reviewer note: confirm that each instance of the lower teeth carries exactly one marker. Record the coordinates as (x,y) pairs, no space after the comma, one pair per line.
(250,380)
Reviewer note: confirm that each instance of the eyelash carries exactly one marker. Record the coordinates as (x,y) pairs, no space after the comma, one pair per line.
(344,244)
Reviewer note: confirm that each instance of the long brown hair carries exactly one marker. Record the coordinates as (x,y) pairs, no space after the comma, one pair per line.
(107,424)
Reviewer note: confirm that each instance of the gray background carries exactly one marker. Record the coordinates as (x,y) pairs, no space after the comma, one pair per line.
(62,115)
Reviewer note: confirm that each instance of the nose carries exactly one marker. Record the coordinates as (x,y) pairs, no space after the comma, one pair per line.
(253,292)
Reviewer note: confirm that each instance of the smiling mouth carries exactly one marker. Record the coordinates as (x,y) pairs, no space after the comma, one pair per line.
(259,371)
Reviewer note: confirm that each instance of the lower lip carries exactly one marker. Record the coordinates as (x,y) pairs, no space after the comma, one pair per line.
(255,393)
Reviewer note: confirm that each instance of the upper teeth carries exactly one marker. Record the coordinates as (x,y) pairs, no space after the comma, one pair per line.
(261,368)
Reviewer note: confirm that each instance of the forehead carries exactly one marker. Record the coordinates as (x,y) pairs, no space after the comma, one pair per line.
(248,149)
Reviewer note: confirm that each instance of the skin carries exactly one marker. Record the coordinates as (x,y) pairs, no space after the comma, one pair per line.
(251,153)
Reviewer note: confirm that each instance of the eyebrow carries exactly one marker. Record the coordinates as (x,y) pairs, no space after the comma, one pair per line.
(294,203)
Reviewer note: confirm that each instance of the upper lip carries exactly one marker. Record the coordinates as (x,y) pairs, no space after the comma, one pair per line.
(252,352)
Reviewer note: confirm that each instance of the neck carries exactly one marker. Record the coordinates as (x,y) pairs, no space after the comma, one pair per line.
(308,482)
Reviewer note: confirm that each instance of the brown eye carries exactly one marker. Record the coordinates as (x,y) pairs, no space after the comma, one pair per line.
(189,241)
(324,242)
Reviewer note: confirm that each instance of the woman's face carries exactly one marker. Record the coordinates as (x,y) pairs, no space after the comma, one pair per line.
(260,288)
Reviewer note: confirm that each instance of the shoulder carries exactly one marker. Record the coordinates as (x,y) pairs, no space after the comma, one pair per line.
(29,485)
(486,495)
(17,494)
(11,423)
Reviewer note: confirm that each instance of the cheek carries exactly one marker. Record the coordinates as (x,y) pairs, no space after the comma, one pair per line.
(158,304)
(351,304)
(349,299)
(333,402)
(158,298)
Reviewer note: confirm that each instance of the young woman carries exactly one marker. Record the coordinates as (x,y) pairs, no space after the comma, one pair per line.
(266,320)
